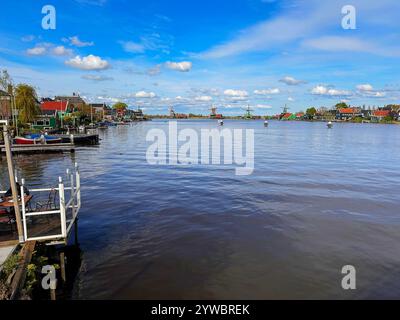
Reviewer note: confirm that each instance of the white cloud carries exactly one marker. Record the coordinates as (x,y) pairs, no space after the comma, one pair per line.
(290,99)
(183,66)
(236,93)
(365,87)
(36,51)
(89,62)
(378,94)
(78,43)
(262,106)
(267,91)
(203,98)
(293,25)
(144,94)
(61,51)
(180,98)
(154,70)
(290,81)
(305,19)
(96,77)
(324,91)
(368,90)
(350,44)
(133,47)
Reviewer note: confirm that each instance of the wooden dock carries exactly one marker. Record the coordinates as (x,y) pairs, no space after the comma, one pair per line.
(40,148)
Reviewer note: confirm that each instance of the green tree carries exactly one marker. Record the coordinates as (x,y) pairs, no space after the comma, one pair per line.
(26,102)
(387,119)
(5,80)
(311,111)
(120,105)
(341,105)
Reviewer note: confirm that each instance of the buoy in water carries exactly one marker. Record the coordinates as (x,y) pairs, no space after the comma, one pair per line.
(330,124)
(221,122)
(265,123)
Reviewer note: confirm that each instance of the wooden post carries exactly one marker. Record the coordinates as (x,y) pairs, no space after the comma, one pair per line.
(62,267)
(76,232)
(22,268)
(14,190)
(53,294)
(71,139)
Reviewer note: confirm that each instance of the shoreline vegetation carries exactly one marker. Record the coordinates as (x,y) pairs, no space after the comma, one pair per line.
(206,117)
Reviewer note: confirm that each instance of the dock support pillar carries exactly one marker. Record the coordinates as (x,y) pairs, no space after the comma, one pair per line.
(62,267)
(53,294)
(76,232)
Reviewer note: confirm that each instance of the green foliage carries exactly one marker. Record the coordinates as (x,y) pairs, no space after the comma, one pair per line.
(358,120)
(341,105)
(34,269)
(311,111)
(10,264)
(26,102)
(120,106)
(5,80)
(67,120)
(387,119)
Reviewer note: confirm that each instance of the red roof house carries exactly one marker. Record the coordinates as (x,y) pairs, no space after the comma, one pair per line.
(60,106)
(381,113)
(348,110)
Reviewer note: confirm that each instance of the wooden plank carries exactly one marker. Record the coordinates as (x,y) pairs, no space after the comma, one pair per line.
(32,148)
(18,280)
(8,243)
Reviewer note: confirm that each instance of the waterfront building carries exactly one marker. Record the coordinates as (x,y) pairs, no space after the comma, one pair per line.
(348,113)
(214,114)
(76,103)
(288,116)
(138,114)
(52,113)
(379,115)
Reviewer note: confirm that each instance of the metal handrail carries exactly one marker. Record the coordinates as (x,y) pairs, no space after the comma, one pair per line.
(73,203)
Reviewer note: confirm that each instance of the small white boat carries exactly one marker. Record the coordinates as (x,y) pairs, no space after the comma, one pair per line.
(221,122)
(266,123)
(329,124)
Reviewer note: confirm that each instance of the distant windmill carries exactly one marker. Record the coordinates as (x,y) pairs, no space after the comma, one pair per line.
(248,114)
(285,109)
(171,112)
(213,110)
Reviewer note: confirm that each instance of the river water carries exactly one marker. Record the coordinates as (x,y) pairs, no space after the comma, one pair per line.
(318,199)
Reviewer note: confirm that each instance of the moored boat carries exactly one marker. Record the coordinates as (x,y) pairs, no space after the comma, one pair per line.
(37,139)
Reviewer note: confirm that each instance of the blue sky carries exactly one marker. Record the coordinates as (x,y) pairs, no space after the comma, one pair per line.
(194,54)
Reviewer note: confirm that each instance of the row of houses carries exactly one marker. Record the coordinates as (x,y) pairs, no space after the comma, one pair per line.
(55,112)
(346,114)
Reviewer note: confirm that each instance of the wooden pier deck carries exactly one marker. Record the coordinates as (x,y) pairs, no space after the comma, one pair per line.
(40,148)
(39,226)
